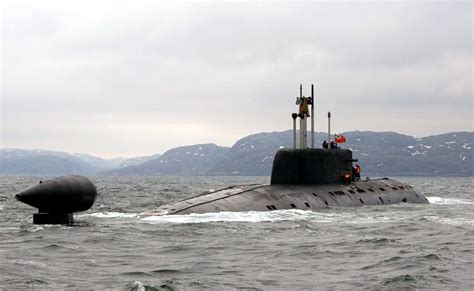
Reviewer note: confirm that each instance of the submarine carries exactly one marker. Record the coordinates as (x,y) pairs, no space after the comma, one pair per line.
(305,178)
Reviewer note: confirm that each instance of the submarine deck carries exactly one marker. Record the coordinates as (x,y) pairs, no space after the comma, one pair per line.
(305,197)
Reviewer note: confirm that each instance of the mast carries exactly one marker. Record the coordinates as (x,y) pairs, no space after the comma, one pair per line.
(303,114)
(329,128)
(302,122)
(312,116)
(294,116)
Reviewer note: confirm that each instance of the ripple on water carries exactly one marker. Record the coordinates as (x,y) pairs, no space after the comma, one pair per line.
(58,247)
(377,241)
(403,281)
(34,264)
(449,220)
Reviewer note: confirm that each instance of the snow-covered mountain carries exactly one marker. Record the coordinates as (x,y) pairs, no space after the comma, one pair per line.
(51,163)
(187,160)
(379,154)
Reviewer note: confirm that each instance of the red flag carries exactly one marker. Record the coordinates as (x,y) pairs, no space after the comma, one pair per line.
(340,139)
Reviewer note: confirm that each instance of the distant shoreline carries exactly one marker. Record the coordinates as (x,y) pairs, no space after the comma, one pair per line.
(381,154)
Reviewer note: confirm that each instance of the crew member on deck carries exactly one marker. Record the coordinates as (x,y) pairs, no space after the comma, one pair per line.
(357,173)
(325,144)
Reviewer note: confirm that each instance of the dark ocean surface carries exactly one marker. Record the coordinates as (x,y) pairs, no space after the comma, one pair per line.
(369,247)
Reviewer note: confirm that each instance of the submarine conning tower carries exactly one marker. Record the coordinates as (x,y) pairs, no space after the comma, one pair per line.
(311,166)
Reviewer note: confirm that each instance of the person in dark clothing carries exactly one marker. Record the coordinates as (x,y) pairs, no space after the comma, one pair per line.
(357,173)
(325,145)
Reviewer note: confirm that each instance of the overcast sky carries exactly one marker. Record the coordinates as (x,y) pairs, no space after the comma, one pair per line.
(138,77)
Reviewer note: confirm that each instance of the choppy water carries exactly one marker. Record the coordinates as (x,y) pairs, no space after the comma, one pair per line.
(370,247)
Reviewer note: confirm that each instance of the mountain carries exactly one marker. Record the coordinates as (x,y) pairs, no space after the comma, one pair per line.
(379,154)
(186,160)
(389,153)
(136,161)
(41,162)
(54,163)
(99,163)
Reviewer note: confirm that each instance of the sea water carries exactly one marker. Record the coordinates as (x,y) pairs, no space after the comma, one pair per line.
(402,246)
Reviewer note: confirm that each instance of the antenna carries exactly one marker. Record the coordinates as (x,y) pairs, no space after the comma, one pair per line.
(329,127)
(294,116)
(312,116)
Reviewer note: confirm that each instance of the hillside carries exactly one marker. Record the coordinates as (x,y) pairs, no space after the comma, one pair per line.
(55,163)
(379,154)
(186,160)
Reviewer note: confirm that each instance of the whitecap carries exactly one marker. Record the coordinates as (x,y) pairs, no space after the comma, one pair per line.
(251,216)
(34,228)
(450,220)
(110,215)
(448,201)
(9,228)
(272,216)
(30,263)
(137,285)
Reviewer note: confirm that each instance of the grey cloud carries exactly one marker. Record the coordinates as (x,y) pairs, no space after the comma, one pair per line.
(230,68)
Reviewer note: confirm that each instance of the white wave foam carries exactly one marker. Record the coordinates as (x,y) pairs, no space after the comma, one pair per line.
(450,220)
(448,201)
(273,216)
(251,216)
(30,263)
(9,228)
(110,215)
(137,285)
(35,228)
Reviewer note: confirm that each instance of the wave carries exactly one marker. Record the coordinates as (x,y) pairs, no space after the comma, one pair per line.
(449,220)
(109,215)
(448,201)
(56,247)
(356,217)
(140,286)
(35,264)
(32,228)
(275,216)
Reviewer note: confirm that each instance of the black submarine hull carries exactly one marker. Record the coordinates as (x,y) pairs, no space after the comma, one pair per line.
(308,179)
(305,197)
